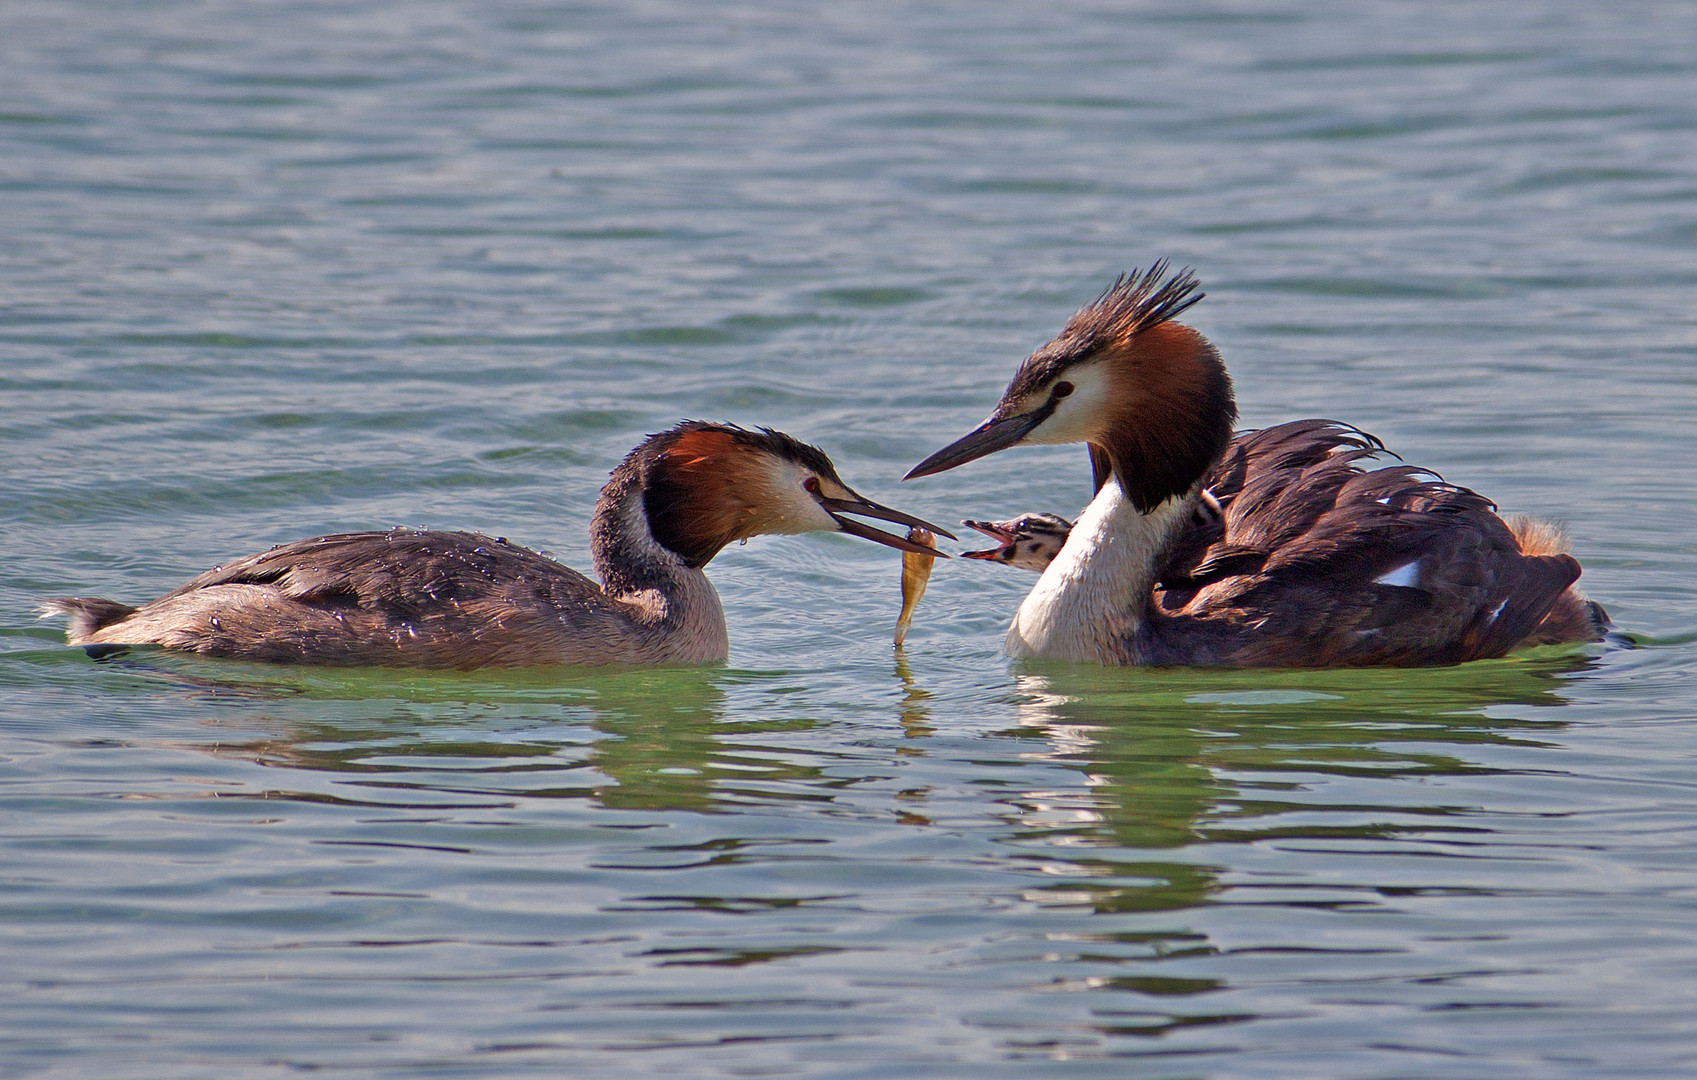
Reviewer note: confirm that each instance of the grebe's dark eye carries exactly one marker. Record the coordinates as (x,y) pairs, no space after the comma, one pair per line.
(1062,389)
(811,484)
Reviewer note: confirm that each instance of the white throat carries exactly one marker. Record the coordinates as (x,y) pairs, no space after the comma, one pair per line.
(1088,606)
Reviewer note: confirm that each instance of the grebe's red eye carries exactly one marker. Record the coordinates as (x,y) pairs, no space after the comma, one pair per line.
(1062,389)
(811,484)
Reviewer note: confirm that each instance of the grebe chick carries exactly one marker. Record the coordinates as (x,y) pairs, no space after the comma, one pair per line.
(460,600)
(1315,561)
(1031,541)
(1028,542)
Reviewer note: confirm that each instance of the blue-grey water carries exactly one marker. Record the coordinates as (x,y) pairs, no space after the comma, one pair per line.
(274,270)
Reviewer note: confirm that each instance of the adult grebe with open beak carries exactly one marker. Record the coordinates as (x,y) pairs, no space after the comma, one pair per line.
(1311,561)
(460,600)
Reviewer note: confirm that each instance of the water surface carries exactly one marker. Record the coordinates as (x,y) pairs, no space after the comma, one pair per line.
(269,272)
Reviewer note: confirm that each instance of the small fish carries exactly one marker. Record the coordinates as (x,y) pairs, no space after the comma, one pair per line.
(916,571)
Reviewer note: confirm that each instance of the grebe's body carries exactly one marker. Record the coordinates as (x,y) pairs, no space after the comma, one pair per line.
(1310,561)
(460,600)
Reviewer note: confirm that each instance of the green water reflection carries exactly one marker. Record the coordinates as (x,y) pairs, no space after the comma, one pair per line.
(628,740)
(1179,759)
(1166,759)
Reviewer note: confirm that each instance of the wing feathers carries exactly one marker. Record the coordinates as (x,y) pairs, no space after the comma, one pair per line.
(1318,561)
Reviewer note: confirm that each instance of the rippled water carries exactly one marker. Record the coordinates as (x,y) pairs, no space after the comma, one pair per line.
(272,271)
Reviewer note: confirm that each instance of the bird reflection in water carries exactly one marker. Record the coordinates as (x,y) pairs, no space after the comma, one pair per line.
(1185,761)
(655,739)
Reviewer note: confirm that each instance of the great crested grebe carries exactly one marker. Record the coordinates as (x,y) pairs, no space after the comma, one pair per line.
(1312,560)
(460,600)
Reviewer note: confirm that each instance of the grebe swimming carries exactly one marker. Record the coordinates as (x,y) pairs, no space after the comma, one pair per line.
(1311,561)
(460,600)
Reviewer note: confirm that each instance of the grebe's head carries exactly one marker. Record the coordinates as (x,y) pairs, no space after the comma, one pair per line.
(1150,395)
(706,485)
(1029,542)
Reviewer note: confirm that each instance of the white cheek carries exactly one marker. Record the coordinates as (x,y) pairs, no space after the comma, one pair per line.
(1078,417)
(792,508)
(809,516)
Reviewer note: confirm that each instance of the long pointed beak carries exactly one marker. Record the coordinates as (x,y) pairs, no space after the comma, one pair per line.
(986,438)
(867,508)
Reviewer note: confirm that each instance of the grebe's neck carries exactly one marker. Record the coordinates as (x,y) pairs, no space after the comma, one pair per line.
(672,605)
(1091,602)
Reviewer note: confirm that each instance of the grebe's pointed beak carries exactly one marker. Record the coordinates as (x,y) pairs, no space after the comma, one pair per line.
(997,532)
(863,507)
(996,433)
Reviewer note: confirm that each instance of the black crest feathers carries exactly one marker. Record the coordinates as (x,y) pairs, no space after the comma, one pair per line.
(1134,303)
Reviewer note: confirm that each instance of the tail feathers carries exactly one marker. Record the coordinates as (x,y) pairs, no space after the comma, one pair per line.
(1537,537)
(87,615)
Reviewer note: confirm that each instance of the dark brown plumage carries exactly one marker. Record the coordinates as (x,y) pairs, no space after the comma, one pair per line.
(1304,539)
(419,599)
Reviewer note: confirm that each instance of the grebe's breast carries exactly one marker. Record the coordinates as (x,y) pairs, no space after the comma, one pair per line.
(1316,562)
(417,599)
